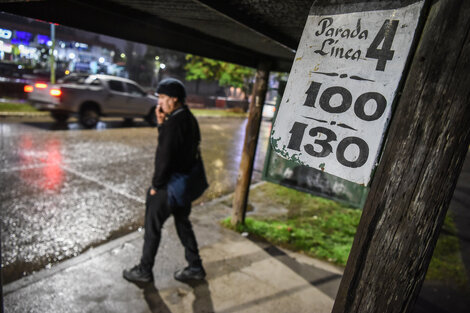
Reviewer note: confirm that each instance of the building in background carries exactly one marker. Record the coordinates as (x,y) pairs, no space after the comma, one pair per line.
(25,47)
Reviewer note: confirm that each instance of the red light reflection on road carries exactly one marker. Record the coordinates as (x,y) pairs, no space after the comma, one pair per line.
(53,172)
(46,161)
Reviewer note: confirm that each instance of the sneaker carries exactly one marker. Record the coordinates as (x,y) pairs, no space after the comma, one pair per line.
(190,273)
(137,274)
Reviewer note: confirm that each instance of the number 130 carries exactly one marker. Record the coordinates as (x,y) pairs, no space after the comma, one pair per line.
(298,132)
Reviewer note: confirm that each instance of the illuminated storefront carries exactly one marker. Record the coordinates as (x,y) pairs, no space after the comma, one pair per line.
(31,51)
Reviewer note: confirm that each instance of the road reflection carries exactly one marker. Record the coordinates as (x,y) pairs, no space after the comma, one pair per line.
(53,172)
(48,160)
(62,192)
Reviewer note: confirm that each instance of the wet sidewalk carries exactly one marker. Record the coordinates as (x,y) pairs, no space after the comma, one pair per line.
(242,276)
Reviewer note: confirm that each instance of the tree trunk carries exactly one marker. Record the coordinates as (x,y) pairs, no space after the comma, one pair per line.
(414,182)
(240,197)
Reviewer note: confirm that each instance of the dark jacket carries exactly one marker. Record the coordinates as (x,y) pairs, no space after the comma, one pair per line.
(178,146)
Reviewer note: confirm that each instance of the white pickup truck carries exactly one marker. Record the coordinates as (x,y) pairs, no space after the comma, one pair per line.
(97,95)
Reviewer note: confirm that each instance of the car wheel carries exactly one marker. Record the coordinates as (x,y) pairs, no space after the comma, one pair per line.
(151,118)
(60,117)
(89,117)
(128,120)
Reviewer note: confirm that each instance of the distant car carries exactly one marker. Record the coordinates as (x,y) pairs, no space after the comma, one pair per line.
(78,78)
(10,70)
(269,110)
(96,96)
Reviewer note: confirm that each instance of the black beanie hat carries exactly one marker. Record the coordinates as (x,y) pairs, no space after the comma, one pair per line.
(173,88)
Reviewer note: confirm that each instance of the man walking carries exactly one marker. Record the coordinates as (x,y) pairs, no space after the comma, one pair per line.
(177,152)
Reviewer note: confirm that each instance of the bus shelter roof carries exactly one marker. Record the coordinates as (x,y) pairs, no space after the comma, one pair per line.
(245,32)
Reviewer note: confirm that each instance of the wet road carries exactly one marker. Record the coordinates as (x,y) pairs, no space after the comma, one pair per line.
(64,189)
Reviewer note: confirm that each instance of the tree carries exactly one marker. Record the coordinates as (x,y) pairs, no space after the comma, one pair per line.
(227,74)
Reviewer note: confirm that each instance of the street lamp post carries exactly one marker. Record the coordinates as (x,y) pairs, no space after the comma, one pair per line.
(51,54)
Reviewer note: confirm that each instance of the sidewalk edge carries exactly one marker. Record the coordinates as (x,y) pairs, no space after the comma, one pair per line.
(93,252)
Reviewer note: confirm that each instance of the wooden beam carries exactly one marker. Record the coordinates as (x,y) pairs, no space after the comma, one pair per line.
(233,12)
(141,26)
(240,197)
(415,180)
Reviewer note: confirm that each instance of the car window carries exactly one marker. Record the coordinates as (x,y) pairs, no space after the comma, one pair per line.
(96,82)
(116,85)
(73,78)
(134,90)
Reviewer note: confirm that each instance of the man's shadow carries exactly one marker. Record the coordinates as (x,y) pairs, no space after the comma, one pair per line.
(153,297)
(202,297)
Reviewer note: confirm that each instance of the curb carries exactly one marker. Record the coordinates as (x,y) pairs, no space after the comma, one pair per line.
(215,116)
(95,251)
(23,114)
(38,114)
(90,253)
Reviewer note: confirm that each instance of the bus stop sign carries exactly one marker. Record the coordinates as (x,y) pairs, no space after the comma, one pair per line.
(340,91)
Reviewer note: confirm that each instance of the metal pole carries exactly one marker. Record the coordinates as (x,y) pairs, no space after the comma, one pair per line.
(51,56)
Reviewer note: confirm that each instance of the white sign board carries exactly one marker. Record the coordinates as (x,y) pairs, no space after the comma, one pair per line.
(338,98)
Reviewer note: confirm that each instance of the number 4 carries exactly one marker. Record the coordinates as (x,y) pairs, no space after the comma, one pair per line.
(385,34)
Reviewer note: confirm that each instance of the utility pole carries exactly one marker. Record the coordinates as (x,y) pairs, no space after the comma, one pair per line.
(414,182)
(51,56)
(240,197)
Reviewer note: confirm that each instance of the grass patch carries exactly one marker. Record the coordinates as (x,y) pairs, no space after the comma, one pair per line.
(318,227)
(219,112)
(446,263)
(16,107)
(325,229)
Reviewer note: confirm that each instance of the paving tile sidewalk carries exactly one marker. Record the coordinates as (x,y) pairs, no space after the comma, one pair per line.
(243,276)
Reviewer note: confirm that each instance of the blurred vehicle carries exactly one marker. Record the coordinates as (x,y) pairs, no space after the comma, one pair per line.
(78,78)
(12,70)
(269,110)
(96,96)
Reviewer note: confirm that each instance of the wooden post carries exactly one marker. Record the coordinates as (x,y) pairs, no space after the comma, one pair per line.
(414,182)
(240,197)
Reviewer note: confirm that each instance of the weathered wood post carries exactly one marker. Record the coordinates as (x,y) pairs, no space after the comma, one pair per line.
(410,193)
(240,197)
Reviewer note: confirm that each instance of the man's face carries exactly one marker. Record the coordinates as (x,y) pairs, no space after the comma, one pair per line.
(167,103)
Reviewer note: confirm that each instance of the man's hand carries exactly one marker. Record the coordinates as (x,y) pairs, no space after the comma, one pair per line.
(160,114)
(153,192)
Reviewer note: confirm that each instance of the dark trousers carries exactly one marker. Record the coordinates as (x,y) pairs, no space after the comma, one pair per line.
(157,212)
